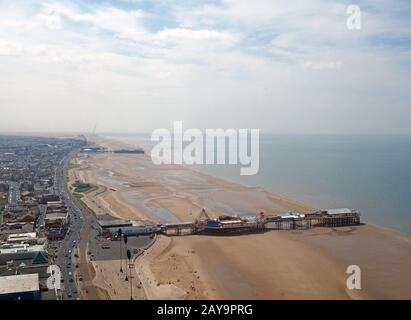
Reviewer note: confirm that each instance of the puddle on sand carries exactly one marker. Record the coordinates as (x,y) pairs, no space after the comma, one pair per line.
(163,214)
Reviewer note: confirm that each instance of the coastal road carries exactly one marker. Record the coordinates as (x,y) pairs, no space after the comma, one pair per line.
(14,193)
(64,249)
(72,252)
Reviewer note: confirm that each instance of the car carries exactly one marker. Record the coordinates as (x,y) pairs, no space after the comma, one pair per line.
(71,280)
(69,251)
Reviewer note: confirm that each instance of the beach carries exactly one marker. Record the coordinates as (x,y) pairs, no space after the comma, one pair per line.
(308,264)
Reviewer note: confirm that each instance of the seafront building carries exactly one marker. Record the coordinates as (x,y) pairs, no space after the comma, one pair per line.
(109,228)
(56,220)
(20,287)
(29,238)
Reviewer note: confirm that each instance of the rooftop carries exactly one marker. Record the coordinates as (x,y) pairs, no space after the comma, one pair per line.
(56,215)
(15,248)
(116,222)
(55,203)
(339,211)
(21,236)
(19,283)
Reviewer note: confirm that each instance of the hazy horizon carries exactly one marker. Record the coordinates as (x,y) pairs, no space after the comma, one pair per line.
(134,66)
(114,134)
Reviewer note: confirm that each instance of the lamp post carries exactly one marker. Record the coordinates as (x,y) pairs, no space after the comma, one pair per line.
(131,277)
(125,243)
(121,259)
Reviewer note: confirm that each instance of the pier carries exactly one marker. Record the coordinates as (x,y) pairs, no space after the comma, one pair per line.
(179,229)
(226,225)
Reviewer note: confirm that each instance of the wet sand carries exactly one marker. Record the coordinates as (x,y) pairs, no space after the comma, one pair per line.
(307,264)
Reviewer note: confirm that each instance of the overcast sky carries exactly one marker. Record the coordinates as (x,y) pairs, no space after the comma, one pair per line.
(133,65)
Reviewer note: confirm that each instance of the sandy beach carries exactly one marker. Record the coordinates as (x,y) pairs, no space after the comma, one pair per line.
(308,264)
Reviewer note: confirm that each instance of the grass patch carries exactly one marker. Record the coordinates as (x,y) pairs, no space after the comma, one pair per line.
(80,187)
(77,197)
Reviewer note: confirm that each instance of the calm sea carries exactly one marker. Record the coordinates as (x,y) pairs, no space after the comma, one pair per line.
(369,173)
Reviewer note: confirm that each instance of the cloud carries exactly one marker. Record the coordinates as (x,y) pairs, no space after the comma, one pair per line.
(276,65)
(182,34)
(120,22)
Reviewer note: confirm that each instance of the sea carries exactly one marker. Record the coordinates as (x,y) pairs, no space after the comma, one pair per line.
(369,173)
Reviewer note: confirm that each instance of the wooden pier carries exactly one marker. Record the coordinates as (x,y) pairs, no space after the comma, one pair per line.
(179,229)
(313,220)
(290,221)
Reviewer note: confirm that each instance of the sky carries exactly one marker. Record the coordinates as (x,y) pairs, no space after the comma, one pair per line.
(130,66)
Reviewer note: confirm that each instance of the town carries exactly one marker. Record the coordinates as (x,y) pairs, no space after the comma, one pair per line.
(48,235)
(32,214)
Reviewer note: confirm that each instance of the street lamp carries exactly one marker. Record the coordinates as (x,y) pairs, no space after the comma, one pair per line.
(121,259)
(125,242)
(131,277)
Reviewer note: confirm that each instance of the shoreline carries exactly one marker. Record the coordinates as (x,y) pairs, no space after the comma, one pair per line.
(257,187)
(373,211)
(290,264)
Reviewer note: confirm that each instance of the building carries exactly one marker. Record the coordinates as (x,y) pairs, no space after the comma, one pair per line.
(105,226)
(56,220)
(343,211)
(292,215)
(135,230)
(25,226)
(29,237)
(48,198)
(20,287)
(23,253)
(55,204)
(24,259)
